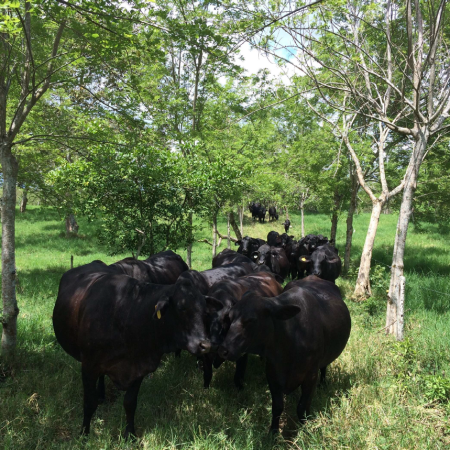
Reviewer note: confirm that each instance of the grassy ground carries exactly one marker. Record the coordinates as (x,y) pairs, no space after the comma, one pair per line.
(380,394)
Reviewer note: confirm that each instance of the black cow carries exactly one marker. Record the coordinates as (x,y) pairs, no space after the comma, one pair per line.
(161,268)
(300,331)
(287,224)
(254,209)
(117,326)
(274,239)
(273,257)
(248,245)
(204,280)
(229,292)
(229,256)
(273,213)
(312,241)
(262,213)
(325,263)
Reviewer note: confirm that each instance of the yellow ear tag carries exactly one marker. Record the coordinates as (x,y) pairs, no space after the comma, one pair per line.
(303,259)
(158,313)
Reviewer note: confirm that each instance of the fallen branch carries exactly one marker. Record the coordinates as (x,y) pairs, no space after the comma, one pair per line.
(205,241)
(224,236)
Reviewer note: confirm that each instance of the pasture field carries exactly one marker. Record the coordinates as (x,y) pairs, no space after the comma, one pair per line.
(380,394)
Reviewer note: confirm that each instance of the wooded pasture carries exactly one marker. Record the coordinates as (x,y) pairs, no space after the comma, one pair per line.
(380,393)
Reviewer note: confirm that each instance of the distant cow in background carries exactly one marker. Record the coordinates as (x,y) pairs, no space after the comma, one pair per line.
(287,224)
(273,213)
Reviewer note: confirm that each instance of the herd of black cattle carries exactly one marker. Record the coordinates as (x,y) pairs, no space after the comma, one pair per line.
(119,320)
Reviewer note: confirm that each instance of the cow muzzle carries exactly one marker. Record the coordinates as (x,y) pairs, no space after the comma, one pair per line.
(204,347)
(223,352)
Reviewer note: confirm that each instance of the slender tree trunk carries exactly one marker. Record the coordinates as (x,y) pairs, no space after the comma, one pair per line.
(287,213)
(228,232)
(189,246)
(334,216)
(303,219)
(241,219)
(214,235)
(233,223)
(351,212)
(71,226)
(397,270)
(24,200)
(362,288)
(10,308)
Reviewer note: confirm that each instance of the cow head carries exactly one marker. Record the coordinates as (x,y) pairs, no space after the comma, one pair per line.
(183,308)
(320,259)
(262,255)
(277,255)
(246,245)
(251,324)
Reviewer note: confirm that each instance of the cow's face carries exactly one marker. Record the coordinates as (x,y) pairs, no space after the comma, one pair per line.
(220,324)
(276,259)
(318,261)
(251,324)
(246,245)
(184,309)
(262,255)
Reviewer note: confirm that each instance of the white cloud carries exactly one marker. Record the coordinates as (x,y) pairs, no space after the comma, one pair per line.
(255,60)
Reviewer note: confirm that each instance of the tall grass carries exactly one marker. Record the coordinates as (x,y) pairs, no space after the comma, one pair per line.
(380,394)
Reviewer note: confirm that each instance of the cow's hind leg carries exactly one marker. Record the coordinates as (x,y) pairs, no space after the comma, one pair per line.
(241,365)
(304,405)
(90,399)
(130,404)
(101,389)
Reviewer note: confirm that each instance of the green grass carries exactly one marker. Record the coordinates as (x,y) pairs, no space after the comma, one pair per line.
(380,394)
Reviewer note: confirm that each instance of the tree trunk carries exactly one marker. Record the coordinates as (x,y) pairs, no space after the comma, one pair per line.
(287,213)
(241,219)
(233,223)
(71,226)
(334,216)
(303,219)
(362,288)
(24,200)
(351,212)
(402,229)
(189,246)
(214,235)
(228,232)
(10,308)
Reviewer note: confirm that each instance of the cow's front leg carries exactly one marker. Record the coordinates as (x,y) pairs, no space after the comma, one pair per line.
(130,404)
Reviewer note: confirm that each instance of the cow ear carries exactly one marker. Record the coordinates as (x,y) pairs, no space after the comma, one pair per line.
(304,259)
(334,260)
(161,307)
(212,304)
(282,311)
(238,242)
